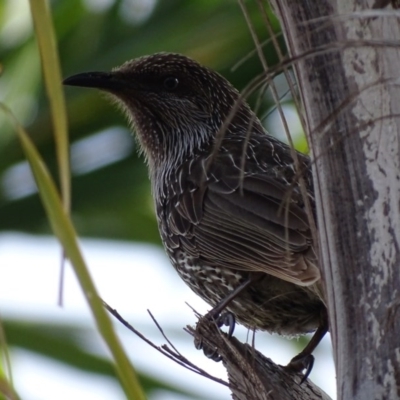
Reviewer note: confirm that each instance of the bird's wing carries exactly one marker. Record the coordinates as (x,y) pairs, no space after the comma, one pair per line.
(249,223)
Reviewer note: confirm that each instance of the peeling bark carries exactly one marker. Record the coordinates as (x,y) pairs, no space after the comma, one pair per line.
(349,86)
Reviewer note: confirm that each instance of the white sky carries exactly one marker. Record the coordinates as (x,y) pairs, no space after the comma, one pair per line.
(131,278)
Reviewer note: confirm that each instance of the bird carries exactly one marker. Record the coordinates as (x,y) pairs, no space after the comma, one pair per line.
(229,206)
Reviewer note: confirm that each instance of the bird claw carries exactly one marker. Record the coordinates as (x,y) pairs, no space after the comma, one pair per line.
(301,362)
(212,354)
(225,318)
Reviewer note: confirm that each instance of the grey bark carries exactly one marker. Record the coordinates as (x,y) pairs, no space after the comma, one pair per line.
(348,65)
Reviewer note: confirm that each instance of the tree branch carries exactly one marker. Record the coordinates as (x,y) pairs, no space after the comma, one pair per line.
(251,375)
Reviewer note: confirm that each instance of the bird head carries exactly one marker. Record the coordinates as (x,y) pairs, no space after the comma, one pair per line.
(175,105)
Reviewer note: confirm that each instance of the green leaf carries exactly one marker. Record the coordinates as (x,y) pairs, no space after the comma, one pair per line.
(52,73)
(65,232)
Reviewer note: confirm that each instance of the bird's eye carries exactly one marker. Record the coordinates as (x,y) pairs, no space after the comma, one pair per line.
(171,83)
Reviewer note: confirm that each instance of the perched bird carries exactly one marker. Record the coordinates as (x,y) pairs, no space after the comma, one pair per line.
(228,202)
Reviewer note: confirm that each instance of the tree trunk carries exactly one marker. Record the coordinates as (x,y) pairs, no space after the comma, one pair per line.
(347,65)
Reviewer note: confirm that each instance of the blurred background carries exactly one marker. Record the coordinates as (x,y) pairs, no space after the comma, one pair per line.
(55,350)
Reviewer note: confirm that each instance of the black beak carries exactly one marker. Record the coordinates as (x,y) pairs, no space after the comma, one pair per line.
(100,80)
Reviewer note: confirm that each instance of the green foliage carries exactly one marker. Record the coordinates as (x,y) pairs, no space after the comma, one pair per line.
(62,344)
(110,198)
(112,201)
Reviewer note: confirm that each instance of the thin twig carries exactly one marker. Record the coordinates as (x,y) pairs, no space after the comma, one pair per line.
(163,333)
(173,354)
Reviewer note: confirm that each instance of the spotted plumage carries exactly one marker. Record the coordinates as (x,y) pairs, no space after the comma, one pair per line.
(226,212)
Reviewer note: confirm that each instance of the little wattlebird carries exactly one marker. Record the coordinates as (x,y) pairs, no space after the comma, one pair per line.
(230,214)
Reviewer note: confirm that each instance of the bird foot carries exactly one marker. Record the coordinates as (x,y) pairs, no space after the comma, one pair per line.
(226,319)
(223,319)
(301,362)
